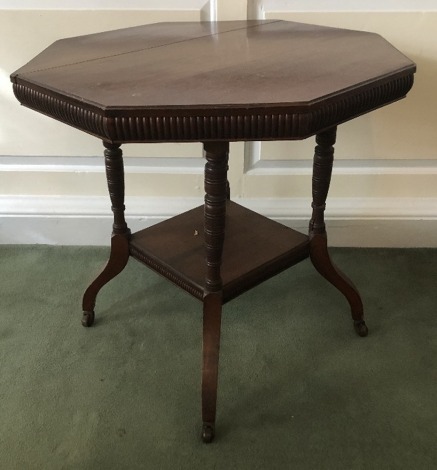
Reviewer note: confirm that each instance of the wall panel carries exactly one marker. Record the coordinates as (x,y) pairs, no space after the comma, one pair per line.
(386,154)
(385,174)
(26,28)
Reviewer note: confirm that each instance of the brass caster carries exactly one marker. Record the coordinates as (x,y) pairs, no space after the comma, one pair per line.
(361,328)
(207,432)
(87,318)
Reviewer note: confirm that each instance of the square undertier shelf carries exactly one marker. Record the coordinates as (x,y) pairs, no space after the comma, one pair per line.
(255,249)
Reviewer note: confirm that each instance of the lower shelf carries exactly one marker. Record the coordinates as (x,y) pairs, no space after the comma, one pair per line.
(255,249)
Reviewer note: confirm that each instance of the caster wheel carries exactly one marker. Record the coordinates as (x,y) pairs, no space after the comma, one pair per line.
(361,328)
(207,432)
(87,318)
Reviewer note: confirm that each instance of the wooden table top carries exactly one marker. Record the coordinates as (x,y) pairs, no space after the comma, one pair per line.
(235,80)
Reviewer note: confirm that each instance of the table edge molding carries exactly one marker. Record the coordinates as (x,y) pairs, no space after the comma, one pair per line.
(234,123)
(77,116)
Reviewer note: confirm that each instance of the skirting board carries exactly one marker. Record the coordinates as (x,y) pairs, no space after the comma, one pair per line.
(365,222)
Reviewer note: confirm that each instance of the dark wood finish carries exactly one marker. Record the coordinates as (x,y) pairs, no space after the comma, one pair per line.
(212,310)
(216,188)
(115,177)
(255,249)
(118,259)
(119,255)
(322,169)
(216,83)
(268,80)
(216,192)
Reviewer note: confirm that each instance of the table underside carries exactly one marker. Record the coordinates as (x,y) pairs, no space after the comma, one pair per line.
(255,249)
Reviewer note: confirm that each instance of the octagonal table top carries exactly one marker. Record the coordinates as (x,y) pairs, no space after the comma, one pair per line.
(235,80)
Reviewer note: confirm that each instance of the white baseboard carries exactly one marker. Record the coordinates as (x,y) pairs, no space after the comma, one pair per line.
(360,222)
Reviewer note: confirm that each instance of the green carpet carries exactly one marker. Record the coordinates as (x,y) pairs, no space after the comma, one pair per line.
(298,389)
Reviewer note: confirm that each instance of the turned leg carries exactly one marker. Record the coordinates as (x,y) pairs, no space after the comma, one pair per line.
(216,193)
(322,169)
(119,255)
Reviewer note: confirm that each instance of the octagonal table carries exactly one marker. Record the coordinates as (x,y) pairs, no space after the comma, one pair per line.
(216,83)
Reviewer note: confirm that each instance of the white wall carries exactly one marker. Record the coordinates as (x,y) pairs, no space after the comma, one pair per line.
(384,191)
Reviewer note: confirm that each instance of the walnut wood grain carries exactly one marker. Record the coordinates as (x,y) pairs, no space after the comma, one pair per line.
(175,248)
(220,81)
(115,178)
(216,189)
(322,169)
(321,179)
(216,83)
(212,310)
(119,254)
